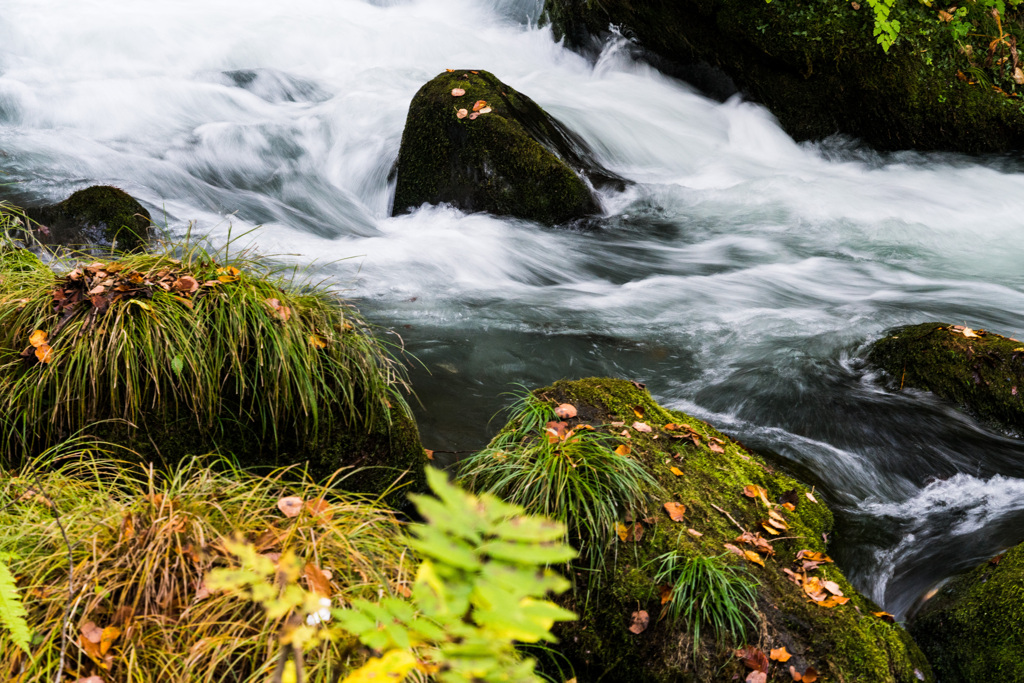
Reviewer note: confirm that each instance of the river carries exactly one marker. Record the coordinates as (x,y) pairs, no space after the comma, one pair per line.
(740,276)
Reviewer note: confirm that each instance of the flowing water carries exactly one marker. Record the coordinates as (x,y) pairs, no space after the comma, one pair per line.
(740,276)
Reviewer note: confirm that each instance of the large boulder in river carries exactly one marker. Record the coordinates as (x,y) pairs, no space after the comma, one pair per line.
(719,510)
(100,214)
(973,628)
(478,144)
(819,69)
(980,371)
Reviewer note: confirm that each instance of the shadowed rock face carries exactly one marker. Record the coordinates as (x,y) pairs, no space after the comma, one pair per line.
(818,68)
(509,158)
(96,215)
(980,371)
(973,629)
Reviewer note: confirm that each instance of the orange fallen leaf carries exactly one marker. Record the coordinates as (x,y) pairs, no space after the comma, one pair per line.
(479,104)
(780,655)
(623,531)
(291,506)
(321,508)
(317,342)
(639,412)
(638,621)
(38,338)
(317,580)
(458,92)
(885,616)
(733,549)
(755,491)
(666,594)
(810,676)
(451,71)
(671,427)
(676,471)
(675,511)
(753,557)
(622,449)
(813,556)
(429,453)
(107,638)
(945,16)
(789,506)
(44,353)
(565,411)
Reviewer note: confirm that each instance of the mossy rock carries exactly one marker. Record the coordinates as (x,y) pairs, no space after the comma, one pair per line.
(173,357)
(514,160)
(96,215)
(973,628)
(815,64)
(843,643)
(982,374)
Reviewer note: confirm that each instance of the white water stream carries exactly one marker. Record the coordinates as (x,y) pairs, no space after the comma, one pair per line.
(740,277)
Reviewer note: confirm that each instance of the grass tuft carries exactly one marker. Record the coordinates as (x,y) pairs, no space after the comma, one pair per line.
(141,543)
(708,593)
(578,480)
(134,339)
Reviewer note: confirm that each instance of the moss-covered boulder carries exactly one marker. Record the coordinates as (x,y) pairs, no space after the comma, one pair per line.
(980,371)
(816,64)
(173,357)
(973,628)
(712,477)
(100,214)
(478,144)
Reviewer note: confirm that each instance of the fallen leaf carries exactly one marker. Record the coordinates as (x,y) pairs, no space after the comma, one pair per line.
(485,110)
(556,431)
(638,531)
(317,580)
(753,658)
(91,632)
(38,338)
(676,471)
(885,616)
(623,531)
(813,556)
(458,92)
(945,16)
(566,411)
(810,497)
(622,449)
(715,447)
(832,587)
(461,114)
(291,506)
(769,528)
(757,677)
(780,655)
(479,104)
(666,594)
(694,533)
(814,590)
(641,427)
(44,353)
(186,283)
(833,600)
(810,676)
(970,334)
(639,412)
(671,427)
(320,508)
(675,511)
(107,638)
(753,557)
(733,549)
(317,342)
(90,679)
(789,506)
(755,491)
(638,621)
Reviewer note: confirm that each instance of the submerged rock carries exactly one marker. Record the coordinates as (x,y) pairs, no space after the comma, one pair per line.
(981,372)
(96,215)
(478,144)
(820,71)
(973,628)
(803,601)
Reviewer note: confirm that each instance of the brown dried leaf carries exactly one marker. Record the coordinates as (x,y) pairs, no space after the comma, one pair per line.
(320,508)
(675,511)
(566,411)
(810,676)
(187,284)
(317,580)
(715,447)
(290,506)
(461,114)
(810,497)
(733,549)
(753,658)
(666,594)
(832,587)
(638,621)
(694,533)
(641,427)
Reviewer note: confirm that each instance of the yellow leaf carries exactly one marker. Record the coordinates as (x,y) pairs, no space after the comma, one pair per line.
(317,342)
(676,471)
(623,531)
(37,338)
(622,449)
(227,278)
(107,638)
(675,511)
(753,557)
(44,353)
(391,667)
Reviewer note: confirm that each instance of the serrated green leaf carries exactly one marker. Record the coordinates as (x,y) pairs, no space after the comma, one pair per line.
(528,553)
(13,616)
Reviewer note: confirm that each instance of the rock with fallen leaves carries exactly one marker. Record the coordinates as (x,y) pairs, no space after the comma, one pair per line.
(972,629)
(980,371)
(100,215)
(478,144)
(713,503)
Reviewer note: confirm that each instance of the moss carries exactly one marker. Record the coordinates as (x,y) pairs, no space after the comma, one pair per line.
(98,214)
(844,643)
(984,375)
(973,629)
(815,65)
(515,160)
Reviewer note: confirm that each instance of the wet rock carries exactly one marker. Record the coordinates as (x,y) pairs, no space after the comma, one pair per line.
(819,69)
(100,214)
(973,628)
(509,157)
(980,371)
(706,472)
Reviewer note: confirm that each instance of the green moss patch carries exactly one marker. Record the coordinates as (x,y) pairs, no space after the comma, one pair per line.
(984,374)
(98,214)
(816,65)
(844,642)
(512,160)
(973,629)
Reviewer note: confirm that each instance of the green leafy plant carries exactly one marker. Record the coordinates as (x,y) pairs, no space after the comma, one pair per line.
(708,593)
(572,475)
(12,611)
(886,29)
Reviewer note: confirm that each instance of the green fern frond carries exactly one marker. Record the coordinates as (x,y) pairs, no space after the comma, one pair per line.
(12,612)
